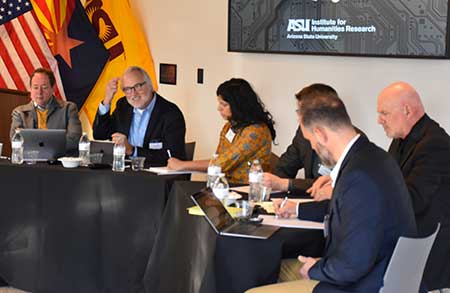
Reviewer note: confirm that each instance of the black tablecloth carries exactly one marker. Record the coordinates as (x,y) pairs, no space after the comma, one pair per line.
(77,230)
(189,257)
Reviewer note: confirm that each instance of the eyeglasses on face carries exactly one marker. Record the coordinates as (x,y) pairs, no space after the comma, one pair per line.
(42,87)
(136,87)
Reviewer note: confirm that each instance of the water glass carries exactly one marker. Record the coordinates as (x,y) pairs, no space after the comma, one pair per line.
(246,209)
(137,163)
(221,188)
(265,193)
(1,147)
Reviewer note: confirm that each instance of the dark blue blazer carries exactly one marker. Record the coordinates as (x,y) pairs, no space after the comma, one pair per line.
(166,126)
(370,209)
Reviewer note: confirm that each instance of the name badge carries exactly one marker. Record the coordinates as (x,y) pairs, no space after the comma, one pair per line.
(326,226)
(230,135)
(155,145)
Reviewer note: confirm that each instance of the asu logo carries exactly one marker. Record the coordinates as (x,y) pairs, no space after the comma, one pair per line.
(299,25)
(105,28)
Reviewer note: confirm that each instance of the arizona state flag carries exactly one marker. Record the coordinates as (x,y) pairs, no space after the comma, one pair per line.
(122,36)
(75,44)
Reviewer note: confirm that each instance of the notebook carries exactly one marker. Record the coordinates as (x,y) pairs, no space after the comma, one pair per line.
(167,171)
(223,223)
(105,147)
(50,143)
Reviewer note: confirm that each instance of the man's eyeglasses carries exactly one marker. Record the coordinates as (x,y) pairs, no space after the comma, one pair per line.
(42,87)
(136,87)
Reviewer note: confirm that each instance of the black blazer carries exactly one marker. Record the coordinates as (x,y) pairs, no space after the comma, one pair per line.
(165,126)
(370,209)
(424,158)
(298,155)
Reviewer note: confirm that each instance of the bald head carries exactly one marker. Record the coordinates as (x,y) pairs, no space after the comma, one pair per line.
(399,108)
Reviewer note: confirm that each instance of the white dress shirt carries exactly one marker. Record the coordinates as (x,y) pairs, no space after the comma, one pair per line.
(334,173)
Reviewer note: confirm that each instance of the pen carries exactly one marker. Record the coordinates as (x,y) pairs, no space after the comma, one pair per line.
(283,203)
(168,152)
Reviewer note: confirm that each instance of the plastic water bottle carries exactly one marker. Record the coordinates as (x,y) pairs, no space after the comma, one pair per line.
(17,148)
(213,171)
(255,176)
(221,188)
(84,147)
(119,157)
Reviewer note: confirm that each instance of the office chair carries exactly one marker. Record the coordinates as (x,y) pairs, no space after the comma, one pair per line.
(189,149)
(273,161)
(405,270)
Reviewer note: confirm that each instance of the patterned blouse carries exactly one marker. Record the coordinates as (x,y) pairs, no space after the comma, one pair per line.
(250,143)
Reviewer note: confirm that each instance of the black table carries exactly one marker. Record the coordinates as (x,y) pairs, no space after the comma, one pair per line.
(77,230)
(189,257)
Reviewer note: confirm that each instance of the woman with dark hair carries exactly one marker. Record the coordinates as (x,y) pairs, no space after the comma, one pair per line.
(247,135)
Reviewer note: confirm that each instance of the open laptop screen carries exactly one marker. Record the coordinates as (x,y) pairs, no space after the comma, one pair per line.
(50,143)
(104,147)
(213,209)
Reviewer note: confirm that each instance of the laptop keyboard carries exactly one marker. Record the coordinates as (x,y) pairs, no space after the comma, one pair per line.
(242,228)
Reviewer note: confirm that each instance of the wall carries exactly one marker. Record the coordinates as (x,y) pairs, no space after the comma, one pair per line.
(193,34)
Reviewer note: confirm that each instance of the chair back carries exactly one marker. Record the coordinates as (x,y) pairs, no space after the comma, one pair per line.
(405,270)
(9,99)
(273,161)
(189,149)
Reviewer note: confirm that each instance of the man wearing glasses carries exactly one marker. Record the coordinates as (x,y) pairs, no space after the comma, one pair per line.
(146,123)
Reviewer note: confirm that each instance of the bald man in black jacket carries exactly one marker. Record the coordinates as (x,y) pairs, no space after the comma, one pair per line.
(422,149)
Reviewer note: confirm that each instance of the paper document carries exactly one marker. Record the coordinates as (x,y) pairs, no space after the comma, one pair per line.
(166,171)
(268,205)
(290,223)
(196,211)
(246,189)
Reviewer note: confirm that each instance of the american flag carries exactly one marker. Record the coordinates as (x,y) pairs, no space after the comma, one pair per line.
(23,47)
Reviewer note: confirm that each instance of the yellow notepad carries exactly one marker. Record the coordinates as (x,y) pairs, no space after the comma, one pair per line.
(196,211)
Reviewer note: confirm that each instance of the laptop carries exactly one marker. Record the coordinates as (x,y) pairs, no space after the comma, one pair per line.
(104,147)
(50,143)
(223,223)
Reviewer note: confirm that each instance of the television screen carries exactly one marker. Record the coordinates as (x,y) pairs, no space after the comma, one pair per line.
(385,28)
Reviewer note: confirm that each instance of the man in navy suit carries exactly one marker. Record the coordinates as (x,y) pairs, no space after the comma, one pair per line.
(369,210)
(145,122)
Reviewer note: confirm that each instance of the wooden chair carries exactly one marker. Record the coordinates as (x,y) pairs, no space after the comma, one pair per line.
(9,99)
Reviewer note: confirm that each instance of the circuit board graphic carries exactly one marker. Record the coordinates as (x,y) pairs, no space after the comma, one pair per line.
(404,28)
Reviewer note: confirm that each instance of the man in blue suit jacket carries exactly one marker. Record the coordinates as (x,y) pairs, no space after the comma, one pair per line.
(145,122)
(369,210)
